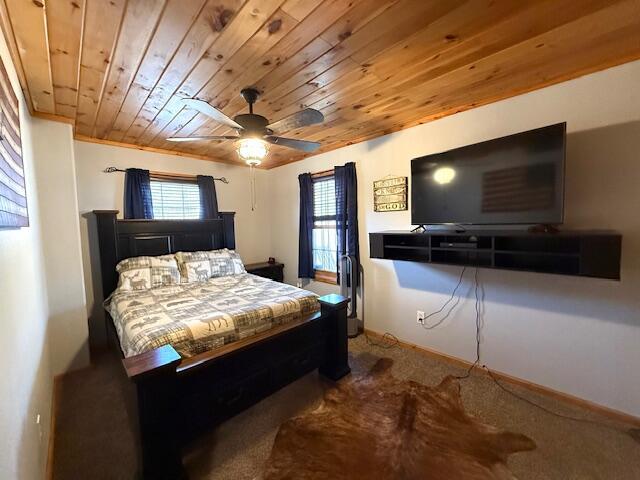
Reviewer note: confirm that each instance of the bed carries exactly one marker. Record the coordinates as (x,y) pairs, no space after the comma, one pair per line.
(200,316)
(196,354)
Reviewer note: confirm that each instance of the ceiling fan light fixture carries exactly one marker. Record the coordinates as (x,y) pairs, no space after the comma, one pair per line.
(252,150)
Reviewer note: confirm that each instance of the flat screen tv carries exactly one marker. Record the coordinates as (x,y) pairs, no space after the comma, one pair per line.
(517,179)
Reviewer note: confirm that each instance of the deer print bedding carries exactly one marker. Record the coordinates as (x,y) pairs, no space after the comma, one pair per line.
(200,266)
(201,316)
(141,273)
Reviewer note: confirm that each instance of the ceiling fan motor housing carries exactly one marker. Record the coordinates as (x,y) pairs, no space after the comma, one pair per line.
(253,124)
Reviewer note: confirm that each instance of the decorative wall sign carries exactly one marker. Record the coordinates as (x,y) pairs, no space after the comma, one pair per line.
(13,195)
(390,194)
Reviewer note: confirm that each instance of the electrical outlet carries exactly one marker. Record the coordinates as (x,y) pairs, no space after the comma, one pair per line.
(420,317)
(40,432)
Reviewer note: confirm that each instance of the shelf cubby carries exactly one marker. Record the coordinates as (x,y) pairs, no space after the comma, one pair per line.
(476,258)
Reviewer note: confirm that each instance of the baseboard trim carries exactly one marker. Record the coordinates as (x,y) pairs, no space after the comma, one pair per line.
(608,412)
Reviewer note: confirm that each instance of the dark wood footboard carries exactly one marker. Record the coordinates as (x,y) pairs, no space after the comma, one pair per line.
(174,400)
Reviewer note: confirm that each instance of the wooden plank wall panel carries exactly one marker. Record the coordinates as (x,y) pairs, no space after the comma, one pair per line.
(271,32)
(249,19)
(98,42)
(30,32)
(277,64)
(371,66)
(177,19)
(211,22)
(299,9)
(140,20)
(301,47)
(322,70)
(64,24)
(7,31)
(326,67)
(423,93)
(499,67)
(394,67)
(401,64)
(304,46)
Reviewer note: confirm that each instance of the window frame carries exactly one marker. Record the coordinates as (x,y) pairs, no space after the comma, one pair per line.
(176,178)
(324,276)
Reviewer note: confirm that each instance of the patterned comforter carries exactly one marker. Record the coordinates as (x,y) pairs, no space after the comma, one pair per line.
(201,316)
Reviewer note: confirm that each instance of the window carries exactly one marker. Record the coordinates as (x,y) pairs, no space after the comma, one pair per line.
(175,200)
(324,228)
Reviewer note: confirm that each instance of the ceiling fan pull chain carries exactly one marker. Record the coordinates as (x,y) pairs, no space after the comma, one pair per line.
(252,174)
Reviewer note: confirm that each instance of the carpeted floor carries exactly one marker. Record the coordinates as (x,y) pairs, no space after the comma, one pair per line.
(92,440)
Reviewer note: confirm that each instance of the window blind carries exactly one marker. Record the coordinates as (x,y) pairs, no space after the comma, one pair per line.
(174,200)
(324,224)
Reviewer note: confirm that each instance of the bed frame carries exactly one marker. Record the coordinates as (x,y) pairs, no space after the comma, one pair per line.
(171,400)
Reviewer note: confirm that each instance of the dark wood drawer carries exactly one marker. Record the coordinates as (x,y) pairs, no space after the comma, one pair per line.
(236,397)
(274,271)
(296,365)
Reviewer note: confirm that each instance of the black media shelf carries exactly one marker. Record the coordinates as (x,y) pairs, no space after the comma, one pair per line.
(579,253)
(406,247)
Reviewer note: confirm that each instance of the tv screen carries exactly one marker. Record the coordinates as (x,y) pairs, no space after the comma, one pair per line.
(517,179)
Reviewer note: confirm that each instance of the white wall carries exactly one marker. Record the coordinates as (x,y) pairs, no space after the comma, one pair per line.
(25,389)
(101,191)
(58,198)
(575,335)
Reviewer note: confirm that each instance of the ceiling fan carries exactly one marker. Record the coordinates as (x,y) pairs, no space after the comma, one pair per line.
(255,133)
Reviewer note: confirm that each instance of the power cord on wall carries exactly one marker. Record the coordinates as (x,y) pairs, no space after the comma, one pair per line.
(479,305)
(444,305)
(389,340)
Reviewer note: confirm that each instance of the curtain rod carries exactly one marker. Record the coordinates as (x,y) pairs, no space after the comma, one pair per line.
(164,174)
(323,173)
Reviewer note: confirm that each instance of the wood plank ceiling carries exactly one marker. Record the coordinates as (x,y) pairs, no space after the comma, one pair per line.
(118,69)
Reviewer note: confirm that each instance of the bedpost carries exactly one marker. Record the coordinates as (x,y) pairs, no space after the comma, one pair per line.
(336,360)
(157,413)
(108,242)
(228,229)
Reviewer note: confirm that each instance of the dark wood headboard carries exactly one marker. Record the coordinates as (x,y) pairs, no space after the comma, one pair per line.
(120,239)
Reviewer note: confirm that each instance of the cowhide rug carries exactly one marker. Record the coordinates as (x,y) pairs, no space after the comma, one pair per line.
(375,426)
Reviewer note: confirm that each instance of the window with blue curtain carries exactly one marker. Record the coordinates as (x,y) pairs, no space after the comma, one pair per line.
(328,223)
(324,224)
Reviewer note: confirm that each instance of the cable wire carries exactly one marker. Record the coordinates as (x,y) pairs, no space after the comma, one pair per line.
(453,294)
(479,303)
(478,308)
(389,340)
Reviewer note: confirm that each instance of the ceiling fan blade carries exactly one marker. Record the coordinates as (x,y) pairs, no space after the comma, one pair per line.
(208,110)
(204,137)
(293,143)
(303,118)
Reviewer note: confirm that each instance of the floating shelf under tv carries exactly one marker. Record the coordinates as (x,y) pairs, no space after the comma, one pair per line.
(579,253)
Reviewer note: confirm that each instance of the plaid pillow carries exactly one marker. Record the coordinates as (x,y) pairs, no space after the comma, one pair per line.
(201,266)
(142,273)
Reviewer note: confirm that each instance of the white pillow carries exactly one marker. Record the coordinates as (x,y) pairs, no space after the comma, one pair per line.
(142,273)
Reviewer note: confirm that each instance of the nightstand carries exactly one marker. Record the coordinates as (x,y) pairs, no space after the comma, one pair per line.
(274,271)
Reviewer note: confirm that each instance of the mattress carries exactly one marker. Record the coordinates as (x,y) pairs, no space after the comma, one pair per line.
(201,316)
